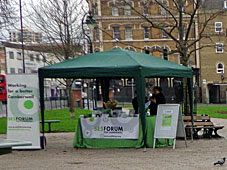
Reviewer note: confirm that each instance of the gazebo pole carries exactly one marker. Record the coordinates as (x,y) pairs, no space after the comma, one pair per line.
(190,91)
(42,108)
(140,88)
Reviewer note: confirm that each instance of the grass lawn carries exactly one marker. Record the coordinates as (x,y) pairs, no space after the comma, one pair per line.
(2,125)
(215,111)
(69,124)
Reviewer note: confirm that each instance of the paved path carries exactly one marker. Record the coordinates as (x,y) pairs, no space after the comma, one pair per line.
(59,154)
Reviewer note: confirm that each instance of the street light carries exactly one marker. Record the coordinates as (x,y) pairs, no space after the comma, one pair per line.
(90,22)
(22,36)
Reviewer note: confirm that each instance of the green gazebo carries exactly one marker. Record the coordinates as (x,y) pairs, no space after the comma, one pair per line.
(116,63)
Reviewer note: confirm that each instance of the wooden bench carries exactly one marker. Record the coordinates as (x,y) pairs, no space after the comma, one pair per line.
(49,122)
(202,123)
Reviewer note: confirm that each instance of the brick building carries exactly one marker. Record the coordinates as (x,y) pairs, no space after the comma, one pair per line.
(2,61)
(213,56)
(121,24)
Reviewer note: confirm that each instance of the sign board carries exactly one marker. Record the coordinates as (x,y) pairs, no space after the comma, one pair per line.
(169,122)
(23,109)
(110,127)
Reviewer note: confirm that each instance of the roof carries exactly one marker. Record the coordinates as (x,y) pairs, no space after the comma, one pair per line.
(115,63)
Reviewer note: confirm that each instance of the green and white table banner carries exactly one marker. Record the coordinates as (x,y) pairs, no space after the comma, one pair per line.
(110,127)
(23,109)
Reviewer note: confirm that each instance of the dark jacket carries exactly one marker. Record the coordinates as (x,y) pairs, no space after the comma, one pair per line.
(135,105)
(160,99)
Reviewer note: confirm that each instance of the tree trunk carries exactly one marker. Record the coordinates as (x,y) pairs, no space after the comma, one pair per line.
(186,102)
(186,97)
(70,98)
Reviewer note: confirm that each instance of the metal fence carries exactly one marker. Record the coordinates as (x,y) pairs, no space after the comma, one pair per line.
(56,103)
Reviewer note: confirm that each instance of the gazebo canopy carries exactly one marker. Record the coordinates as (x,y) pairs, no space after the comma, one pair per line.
(115,63)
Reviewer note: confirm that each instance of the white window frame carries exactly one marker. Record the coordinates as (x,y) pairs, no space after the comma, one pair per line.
(127,10)
(145,10)
(11,55)
(119,33)
(97,35)
(218,27)
(225,4)
(146,33)
(219,45)
(128,33)
(37,57)
(163,10)
(164,35)
(12,70)
(115,11)
(20,70)
(220,70)
(19,56)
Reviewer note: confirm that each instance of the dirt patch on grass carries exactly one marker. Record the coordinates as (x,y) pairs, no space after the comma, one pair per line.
(222,112)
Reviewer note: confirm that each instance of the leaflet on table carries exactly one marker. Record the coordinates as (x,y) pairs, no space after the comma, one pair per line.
(110,127)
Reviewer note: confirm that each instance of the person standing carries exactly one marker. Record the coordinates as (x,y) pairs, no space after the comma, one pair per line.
(135,104)
(159,97)
(156,99)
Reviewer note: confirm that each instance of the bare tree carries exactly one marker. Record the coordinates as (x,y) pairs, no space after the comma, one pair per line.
(7,14)
(179,21)
(59,20)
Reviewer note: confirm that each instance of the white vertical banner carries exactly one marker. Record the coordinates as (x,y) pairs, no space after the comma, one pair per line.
(23,109)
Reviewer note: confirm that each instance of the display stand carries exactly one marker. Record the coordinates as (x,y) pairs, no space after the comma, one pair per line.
(169,123)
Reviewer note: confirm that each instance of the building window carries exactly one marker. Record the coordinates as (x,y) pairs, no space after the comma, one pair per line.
(127,10)
(96,33)
(19,57)
(115,11)
(164,34)
(218,26)
(37,58)
(31,56)
(116,33)
(128,33)
(34,71)
(225,4)
(146,50)
(20,70)
(11,55)
(219,48)
(130,48)
(12,70)
(163,10)
(220,68)
(146,33)
(145,10)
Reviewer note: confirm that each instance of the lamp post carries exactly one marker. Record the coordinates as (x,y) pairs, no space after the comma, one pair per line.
(90,22)
(22,36)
